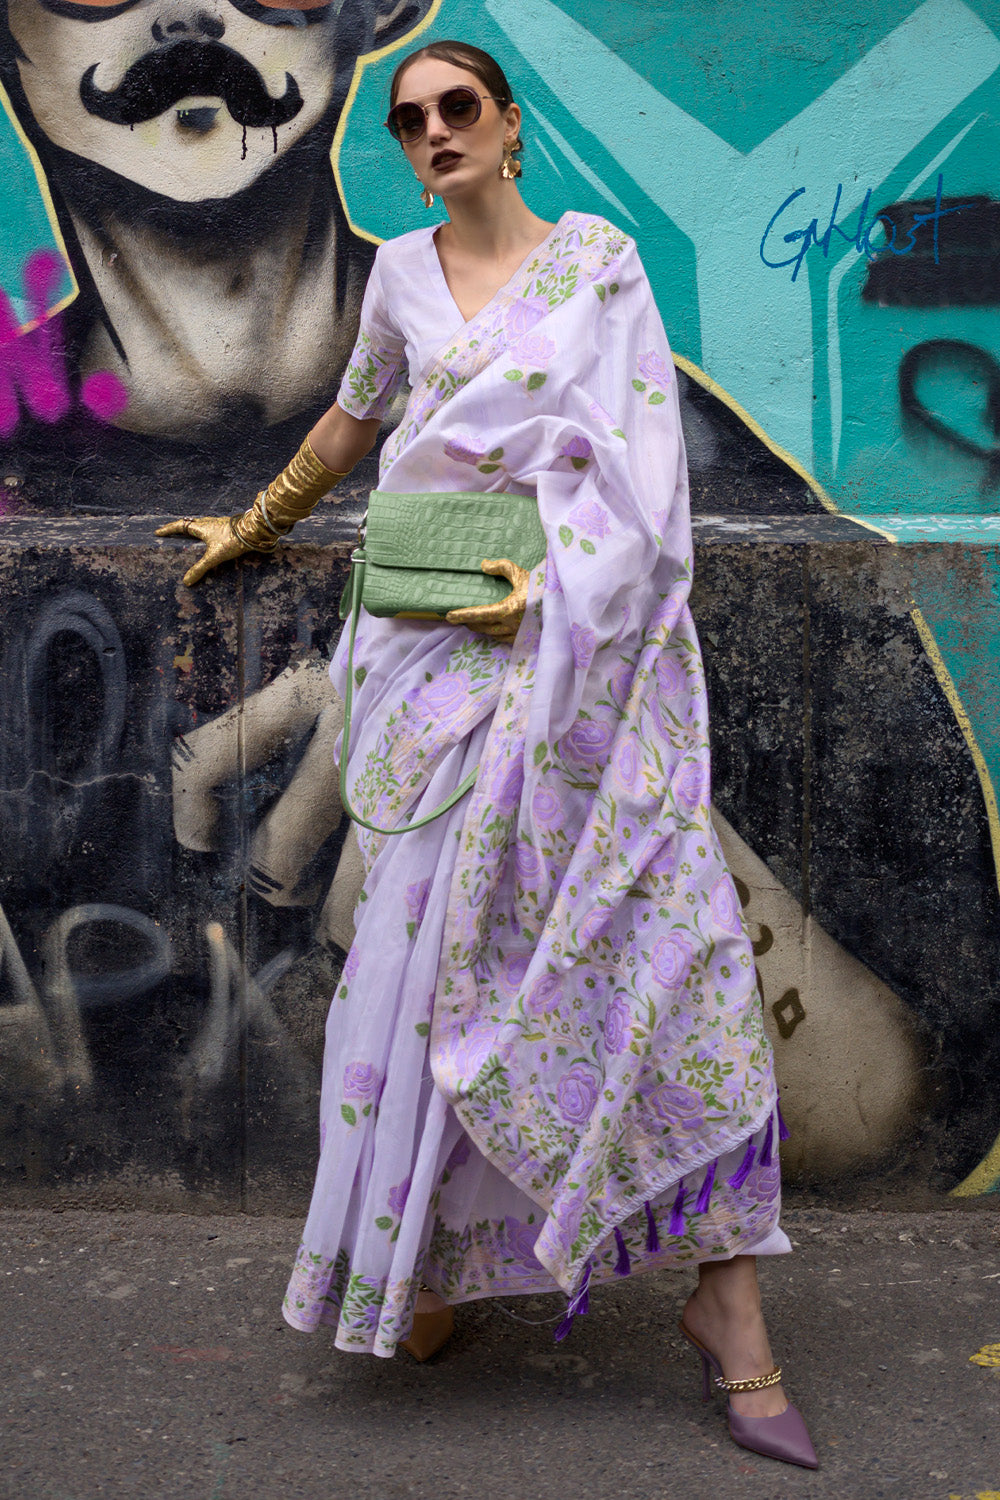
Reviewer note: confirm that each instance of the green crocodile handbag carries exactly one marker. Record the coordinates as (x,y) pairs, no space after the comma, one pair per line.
(419,557)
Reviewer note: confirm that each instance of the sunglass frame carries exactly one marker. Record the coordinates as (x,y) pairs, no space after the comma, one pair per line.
(391,121)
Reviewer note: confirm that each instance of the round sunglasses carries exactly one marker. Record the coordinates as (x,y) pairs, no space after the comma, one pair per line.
(459,108)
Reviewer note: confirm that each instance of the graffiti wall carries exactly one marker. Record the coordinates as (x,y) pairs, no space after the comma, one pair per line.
(193,193)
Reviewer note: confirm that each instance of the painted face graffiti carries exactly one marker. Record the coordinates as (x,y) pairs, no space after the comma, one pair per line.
(189,98)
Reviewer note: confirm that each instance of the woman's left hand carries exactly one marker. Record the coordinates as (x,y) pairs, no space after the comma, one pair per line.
(500,621)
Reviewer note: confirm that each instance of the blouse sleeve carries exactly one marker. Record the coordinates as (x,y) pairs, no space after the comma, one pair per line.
(377,367)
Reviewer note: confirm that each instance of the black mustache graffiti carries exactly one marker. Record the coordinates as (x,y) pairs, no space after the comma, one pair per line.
(160,78)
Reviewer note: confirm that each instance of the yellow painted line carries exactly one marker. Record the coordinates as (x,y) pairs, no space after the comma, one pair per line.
(982,1179)
(985,1177)
(944,677)
(707,383)
(890,536)
(50,209)
(698,375)
(365,61)
(988,1355)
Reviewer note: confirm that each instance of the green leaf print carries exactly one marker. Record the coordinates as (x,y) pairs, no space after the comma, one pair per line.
(601,291)
(579,463)
(541,751)
(488,468)
(422,1028)
(617,432)
(565,536)
(638,385)
(513,375)
(383,1222)
(657,398)
(348,1114)
(497,453)
(536,381)
(587,546)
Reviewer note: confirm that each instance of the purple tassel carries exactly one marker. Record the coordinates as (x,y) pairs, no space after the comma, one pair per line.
(565,1327)
(578,1306)
(652,1238)
(765,1152)
(622,1265)
(783,1131)
(677,1213)
(740,1176)
(701,1207)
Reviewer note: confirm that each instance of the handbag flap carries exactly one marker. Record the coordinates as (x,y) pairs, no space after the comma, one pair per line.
(453,531)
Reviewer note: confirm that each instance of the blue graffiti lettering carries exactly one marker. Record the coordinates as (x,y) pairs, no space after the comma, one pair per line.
(861,236)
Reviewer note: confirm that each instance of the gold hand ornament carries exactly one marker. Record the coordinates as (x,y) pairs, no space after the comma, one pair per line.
(219,535)
(289,498)
(499,621)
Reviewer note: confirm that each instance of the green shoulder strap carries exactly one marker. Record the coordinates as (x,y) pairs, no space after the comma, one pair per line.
(356,587)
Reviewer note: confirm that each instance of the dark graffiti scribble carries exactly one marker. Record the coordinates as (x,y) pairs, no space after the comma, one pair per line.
(788,1012)
(765,942)
(980,370)
(911,220)
(63,687)
(965,272)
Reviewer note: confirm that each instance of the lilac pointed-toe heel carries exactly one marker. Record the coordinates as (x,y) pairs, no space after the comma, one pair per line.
(783,1437)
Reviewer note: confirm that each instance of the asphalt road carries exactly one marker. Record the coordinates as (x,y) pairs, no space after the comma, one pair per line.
(145,1355)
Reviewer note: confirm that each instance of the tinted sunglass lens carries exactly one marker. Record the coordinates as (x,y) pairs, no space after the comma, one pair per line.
(459,108)
(406,122)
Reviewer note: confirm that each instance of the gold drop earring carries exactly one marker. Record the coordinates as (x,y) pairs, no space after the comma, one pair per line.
(426,196)
(510,167)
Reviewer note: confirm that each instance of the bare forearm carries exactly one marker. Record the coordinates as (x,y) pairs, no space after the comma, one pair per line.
(340,441)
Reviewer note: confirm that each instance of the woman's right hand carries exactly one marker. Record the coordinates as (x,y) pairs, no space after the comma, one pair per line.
(221,542)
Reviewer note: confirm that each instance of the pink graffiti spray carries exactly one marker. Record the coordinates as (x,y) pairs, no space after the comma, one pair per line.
(33,373)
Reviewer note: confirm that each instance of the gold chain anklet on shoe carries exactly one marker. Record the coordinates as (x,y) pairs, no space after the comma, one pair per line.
(758,1383)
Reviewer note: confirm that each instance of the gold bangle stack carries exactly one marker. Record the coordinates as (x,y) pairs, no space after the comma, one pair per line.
(289,498)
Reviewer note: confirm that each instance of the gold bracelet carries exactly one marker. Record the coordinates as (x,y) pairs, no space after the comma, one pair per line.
(289,498)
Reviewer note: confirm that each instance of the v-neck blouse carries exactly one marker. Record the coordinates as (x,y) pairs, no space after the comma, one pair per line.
(407,315)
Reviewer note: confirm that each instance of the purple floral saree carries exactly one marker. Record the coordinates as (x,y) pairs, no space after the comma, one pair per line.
(546,1061)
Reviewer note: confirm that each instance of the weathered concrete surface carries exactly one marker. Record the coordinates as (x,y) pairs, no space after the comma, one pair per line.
(170,832)
(160,1025)
(146,1355)
(838,758)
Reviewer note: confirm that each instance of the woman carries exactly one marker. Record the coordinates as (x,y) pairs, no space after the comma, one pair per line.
(546,1063)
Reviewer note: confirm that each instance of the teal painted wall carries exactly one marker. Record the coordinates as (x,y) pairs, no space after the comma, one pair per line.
(750,152)
(691,126)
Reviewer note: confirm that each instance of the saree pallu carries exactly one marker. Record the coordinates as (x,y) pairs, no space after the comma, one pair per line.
(546,1061)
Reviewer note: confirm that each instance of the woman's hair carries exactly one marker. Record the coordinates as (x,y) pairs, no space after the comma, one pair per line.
(460,55)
